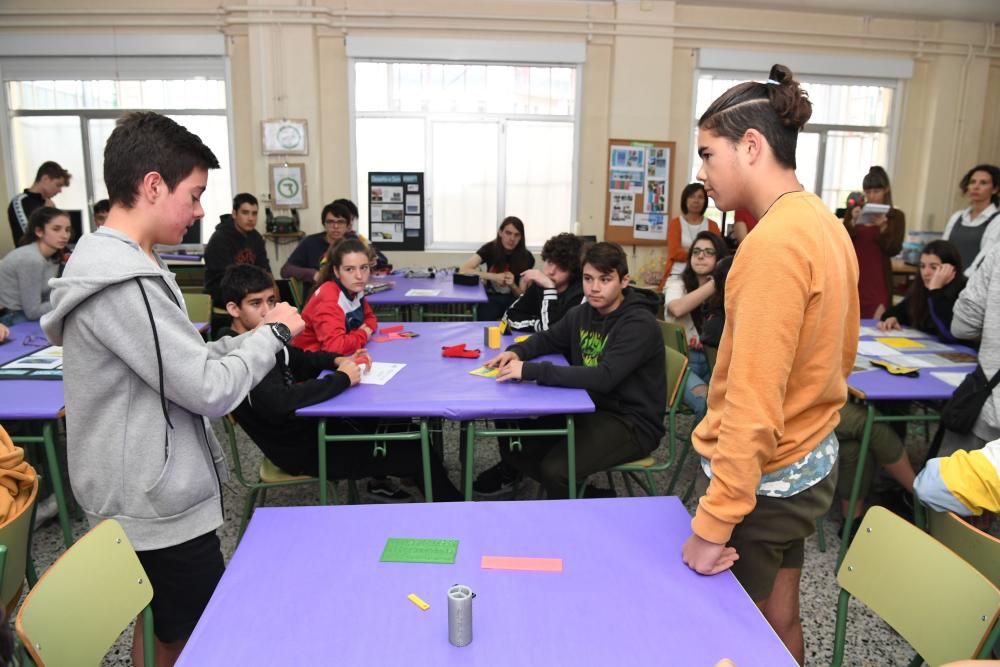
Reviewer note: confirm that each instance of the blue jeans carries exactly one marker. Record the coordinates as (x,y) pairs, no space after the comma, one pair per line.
(12,317)
(697,370)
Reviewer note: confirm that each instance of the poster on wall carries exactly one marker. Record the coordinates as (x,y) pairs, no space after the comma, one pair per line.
(640,177)
(656,196)
(288,185)
(396,210)
(651,226)
(622,208)
(284,136)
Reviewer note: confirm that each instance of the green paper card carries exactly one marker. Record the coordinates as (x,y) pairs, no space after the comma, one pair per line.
(414,550)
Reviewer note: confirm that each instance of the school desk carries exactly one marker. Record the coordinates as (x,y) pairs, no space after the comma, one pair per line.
(432,386)
(35,401)
(306,587)
(396,299)
(879,385)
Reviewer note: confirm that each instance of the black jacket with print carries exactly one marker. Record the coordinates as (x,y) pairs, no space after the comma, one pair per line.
(618,358)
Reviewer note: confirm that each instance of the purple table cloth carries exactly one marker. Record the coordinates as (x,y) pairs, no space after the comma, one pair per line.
(434,386)
(448,292)
(28,399)
(305,587)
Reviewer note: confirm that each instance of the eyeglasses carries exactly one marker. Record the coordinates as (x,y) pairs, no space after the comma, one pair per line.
(337,223)
(707,252)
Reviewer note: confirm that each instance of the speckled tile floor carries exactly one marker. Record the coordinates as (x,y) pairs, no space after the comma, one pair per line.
(871,642)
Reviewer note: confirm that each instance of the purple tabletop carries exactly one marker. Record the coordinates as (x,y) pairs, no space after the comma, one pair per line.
(434,386)
(879,385)
(27,399)
(305,587)
(448,292)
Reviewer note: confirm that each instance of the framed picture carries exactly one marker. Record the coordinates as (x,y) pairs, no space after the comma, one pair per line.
(288,185)
(285,137)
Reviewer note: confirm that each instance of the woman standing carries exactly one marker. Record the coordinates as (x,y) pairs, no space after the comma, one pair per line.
(506,257)
(876,244)
(25,272)
(971,230)
(681,231)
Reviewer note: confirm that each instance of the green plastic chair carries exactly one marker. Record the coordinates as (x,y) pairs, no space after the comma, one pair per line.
(674,336)
(677,372)
(269,476)
(15,537)
(85,600)
(934,599)
(199,307)
(711,354)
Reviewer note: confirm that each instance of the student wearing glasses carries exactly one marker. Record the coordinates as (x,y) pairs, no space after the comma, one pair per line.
(305,259)
(691,300)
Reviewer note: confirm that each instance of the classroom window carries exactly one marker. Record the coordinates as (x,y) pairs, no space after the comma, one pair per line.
(492,140)
(847,133)
(70,122)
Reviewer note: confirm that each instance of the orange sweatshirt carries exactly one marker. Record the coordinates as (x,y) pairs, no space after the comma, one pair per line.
(792,324)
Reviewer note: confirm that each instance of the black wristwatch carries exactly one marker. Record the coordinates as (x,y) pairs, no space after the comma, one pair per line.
(281,332)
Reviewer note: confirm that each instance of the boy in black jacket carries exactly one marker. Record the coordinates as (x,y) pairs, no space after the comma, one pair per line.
(616,353)
(268,413)
(551,291)
(234,241)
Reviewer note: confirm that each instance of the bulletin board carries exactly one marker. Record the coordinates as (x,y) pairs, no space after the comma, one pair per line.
(640,175)
(396,212)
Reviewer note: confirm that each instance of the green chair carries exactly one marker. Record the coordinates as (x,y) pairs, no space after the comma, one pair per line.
(979,549)
(935,600)
(269,476)
(711,354)
(85,600)
(677,373)
(199,307)
(15,537)
(674,336)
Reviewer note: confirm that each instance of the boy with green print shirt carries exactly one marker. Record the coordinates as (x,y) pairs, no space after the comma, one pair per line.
(616,353)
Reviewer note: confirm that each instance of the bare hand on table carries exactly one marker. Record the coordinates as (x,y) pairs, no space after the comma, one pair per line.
(706,557)
(283,313)
(502,360)
(889,324)
(350,369)
(4,333)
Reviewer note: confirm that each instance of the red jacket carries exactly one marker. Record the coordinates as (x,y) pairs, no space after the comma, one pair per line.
(333,321)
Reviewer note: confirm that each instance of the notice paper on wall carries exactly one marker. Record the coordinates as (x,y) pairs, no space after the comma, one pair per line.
(381,372)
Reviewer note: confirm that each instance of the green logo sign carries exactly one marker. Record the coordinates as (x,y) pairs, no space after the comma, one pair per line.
(289,136)
(288,187)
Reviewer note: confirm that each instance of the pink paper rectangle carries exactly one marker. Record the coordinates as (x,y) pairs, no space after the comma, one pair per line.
(520,563)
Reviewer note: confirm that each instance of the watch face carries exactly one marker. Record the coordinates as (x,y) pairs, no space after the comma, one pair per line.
(281,331)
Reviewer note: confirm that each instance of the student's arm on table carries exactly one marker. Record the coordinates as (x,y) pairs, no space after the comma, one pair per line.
(330,325)
(294,266)
(471,267)
(755,391)
(970,308)
(525,313)
(191,377)
(306,365)
(512,360)
(277,402)
(966,483)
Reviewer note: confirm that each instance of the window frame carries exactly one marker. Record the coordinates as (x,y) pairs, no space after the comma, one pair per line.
(430,117)
(898,87)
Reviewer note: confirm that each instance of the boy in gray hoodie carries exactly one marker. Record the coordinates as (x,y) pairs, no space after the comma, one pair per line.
(140,381)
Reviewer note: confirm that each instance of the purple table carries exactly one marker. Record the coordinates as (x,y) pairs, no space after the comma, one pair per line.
(448,294)
(35,400)
(432,386)
(305,587)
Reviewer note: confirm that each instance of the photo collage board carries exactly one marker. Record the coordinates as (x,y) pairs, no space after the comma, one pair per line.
(396,211)
(640,175)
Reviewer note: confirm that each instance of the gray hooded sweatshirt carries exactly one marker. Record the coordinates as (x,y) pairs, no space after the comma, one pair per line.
(139,383)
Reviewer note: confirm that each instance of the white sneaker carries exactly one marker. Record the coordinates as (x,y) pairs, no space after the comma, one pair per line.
(46,510)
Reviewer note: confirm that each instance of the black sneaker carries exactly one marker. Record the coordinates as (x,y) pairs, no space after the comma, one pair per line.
(387,490)
(496,480)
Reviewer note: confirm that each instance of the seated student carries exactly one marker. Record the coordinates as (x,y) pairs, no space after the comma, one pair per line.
(687,298)
(267,414)
(338,318)
(681,231)
(885,448)
(234,241)
(305,259)
(101,210)
(26,270)
(966,483)
(929,304)
(379,261)
(506,258)
(616,353)
(549,294)
(551,291)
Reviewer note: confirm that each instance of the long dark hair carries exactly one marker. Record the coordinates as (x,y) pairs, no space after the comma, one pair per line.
(777,109)
(36,222)
(335,257)
(519,256)
(990,169)
(919,295)
(689,190)
(690,278)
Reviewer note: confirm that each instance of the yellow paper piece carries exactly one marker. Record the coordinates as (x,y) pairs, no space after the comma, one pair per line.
(521,339)
(901,343)
(485,372)
(412,597)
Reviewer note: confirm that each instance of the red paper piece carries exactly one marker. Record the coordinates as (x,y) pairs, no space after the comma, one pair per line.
(392,336)
(460,352)
(393,329)
(520,563)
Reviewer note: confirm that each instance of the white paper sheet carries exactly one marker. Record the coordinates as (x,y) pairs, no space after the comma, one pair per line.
(871,348)
(423,292)
(953,379)
(906,332)
(381,372)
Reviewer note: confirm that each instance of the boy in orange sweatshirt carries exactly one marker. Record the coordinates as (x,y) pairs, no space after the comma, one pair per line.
(767,443)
